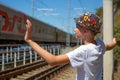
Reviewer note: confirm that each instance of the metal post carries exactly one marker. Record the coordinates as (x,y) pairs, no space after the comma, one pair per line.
(68,27)
(11,58)
(54,51)
(24,57)
(107,37)
(18,53)
(7,53)
(3,61)
(15,62)
(58,51)
(35,56)
(30,55)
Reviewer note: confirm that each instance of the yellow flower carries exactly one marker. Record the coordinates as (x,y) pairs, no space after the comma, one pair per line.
(87,24)
(85,18)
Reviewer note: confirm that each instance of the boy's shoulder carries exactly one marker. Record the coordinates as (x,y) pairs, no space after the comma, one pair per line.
(99,41)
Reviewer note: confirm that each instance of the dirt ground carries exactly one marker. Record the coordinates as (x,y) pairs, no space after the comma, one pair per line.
(117,71)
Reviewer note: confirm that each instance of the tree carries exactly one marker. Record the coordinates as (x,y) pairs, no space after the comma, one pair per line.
(116,5)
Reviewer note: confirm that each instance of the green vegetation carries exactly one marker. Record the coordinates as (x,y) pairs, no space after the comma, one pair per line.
(117,34)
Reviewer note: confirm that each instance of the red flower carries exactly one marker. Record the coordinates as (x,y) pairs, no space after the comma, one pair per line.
(93,21)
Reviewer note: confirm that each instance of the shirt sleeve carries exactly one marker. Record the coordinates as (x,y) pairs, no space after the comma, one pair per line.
(76,58)
(102,45)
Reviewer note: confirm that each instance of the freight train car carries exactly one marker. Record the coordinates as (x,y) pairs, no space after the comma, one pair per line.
(12,28)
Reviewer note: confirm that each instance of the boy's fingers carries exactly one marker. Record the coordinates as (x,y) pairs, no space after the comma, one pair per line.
(114,40)
(28,22)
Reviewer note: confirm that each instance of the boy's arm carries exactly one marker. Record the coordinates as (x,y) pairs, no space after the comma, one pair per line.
(49,58)
(111,45)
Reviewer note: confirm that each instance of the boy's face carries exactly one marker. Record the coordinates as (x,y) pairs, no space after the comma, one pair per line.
(81,32)
(78,32)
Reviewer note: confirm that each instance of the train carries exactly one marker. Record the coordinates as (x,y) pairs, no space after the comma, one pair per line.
(12,28)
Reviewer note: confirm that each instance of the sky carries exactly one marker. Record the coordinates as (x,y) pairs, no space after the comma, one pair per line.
(59,13)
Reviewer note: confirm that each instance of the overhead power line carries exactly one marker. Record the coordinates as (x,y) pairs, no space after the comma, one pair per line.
(45,9)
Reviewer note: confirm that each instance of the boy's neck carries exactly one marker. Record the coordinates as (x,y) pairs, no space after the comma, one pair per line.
(89,42)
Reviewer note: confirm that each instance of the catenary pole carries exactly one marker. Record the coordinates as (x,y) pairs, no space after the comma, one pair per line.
(68,27)
(32,7)
(107,37)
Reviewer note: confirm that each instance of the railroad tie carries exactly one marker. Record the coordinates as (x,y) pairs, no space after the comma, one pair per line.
(31,73)
(66,74)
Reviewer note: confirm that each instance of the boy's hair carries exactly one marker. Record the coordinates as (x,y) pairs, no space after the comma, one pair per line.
(89,21)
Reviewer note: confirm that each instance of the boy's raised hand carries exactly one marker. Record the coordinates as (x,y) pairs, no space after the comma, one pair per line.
(112,44)
(114,41)
(28,30)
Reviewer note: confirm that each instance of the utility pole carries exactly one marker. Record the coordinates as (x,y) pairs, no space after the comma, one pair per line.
(32,7)
(68,27)
(107,37)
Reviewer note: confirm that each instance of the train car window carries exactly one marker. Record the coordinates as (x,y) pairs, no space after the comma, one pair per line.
(35,28)
(39,30)
(49,32)
(2,21)
(64,36)
(19,24)
(43,31)
(22,25)
(11,23)
(0,24)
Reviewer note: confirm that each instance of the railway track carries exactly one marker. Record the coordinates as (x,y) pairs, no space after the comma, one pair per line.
(39,70)
(7,74)
(45,73)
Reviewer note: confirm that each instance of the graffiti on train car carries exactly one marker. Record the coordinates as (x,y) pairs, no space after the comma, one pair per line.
(15,19)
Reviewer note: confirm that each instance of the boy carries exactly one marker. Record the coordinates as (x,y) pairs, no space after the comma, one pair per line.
(88,58)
